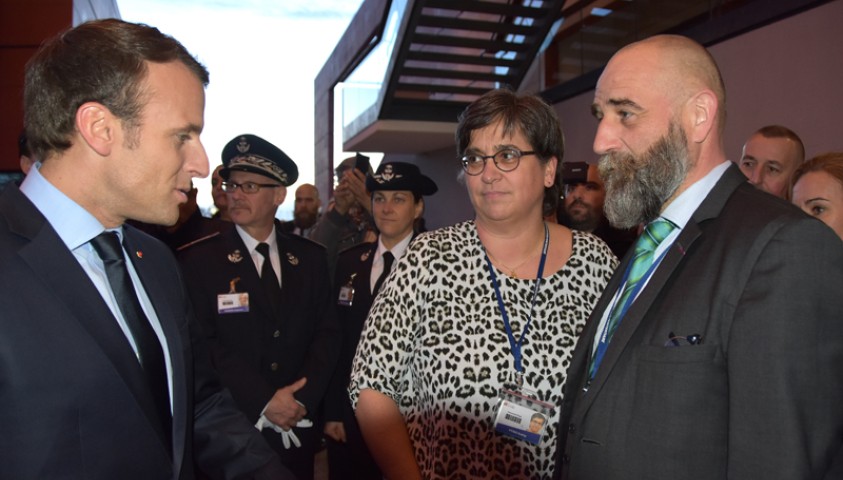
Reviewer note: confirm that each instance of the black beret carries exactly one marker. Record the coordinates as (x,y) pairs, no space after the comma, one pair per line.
(400,176)
(251,153)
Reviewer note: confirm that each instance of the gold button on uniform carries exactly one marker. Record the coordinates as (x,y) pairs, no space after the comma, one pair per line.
(276,334)
(274,366)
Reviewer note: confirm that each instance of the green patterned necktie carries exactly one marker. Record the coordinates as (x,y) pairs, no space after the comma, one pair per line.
(642,260)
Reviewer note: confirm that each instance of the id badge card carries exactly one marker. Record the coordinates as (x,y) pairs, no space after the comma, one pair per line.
(522,416)
(346,296)
(232,302)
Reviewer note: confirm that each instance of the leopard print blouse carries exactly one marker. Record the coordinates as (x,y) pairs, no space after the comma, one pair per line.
(435,343)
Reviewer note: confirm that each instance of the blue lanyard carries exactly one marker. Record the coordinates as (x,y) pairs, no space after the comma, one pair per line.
(603,343)
(515,345)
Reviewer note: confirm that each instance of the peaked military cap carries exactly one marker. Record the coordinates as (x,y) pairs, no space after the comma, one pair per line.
(400,176)
(251,153)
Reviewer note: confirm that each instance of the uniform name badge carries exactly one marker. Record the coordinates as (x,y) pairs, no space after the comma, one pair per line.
(233,302)
(346,295)
(522,416)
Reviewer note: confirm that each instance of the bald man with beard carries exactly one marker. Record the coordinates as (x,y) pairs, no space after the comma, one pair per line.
(716,351)
(305,211)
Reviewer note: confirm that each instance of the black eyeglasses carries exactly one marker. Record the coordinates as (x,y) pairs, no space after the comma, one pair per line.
(506,160)
(247,187)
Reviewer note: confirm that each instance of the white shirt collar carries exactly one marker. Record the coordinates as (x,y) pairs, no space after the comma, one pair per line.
(397,250)
(74,225)
(252,243)
(683,207)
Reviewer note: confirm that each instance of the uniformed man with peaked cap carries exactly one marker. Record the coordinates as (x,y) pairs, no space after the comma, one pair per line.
(271,326)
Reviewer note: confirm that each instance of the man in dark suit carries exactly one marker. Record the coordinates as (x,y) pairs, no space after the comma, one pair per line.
(102,372)
(272,328)
(716,350)
(398,191)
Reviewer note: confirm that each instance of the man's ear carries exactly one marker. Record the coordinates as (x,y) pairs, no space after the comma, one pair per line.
(703,112)
(280,195)
(96,125)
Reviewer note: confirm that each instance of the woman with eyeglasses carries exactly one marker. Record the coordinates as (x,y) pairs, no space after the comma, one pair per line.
(472,333)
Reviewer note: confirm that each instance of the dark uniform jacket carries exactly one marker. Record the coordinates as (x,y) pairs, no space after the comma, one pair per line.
(351,460)
(73,401)
(258,352)
(354,269)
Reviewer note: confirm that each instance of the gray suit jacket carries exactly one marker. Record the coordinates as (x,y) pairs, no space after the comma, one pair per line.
(73,403)
(761,396)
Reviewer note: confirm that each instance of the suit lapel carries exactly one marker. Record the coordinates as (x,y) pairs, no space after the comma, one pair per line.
(56,266)
(709,208)
(364,277)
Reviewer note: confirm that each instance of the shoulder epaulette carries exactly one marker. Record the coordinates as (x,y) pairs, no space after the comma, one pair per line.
(198,240)
(361,246)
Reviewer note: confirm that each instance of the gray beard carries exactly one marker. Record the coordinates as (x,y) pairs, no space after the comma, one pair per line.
(637,187)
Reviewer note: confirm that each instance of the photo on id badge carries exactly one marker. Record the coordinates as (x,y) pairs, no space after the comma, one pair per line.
(521,417)
(233,302)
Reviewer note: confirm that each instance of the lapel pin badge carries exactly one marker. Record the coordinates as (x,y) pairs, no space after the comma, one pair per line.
(235,257)
(292,259)
(139,254)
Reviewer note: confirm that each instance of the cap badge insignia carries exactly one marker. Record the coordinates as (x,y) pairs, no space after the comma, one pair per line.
(235,257)
(243,146)
(387,175)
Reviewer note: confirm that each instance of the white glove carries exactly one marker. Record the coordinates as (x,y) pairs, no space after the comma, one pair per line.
(287,436)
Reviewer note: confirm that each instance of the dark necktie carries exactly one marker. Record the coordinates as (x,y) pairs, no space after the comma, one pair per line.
(269,279)
(388,258)
(150,354)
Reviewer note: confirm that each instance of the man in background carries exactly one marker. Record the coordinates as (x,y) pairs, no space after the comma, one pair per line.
(348,219)
(105,375)
(583,208)
(769,158)
(220,199)
(305,211)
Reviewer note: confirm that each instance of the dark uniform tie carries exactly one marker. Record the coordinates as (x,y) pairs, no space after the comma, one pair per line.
(150,353)
(388,258)
(269,279)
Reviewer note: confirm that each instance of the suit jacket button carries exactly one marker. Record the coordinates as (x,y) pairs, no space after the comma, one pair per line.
(276,334)
(566,459)
(572,428)
(274,366)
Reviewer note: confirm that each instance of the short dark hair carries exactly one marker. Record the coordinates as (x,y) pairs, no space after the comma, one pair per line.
(528,113)
(101,61)
(779,131)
